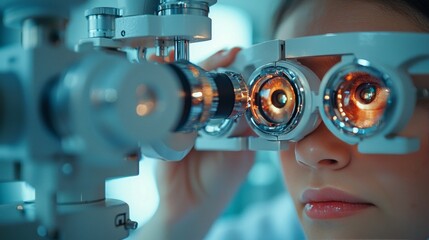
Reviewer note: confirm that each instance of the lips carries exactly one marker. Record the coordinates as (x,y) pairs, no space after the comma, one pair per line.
(329,203)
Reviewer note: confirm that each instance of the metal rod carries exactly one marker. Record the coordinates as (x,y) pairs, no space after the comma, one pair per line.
(181,49)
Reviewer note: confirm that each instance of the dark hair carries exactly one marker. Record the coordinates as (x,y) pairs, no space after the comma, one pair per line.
(417,10)
(285,6)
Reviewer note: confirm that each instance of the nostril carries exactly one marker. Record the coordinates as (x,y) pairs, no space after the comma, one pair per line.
(328,162)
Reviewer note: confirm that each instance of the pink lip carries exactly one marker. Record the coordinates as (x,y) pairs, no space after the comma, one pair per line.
(329,203)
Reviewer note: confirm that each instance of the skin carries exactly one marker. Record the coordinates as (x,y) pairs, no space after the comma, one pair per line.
(395,184)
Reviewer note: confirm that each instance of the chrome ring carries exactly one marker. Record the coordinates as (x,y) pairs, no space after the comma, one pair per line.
(241,92)
(183,7)
(255,114)
(204,97)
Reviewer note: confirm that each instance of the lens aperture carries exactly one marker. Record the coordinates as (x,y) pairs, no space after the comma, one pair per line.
(279,98)
(362,99)
(367,92)
(356,101)
(276,100)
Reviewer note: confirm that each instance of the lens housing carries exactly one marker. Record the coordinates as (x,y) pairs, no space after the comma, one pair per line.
(208,99)
(208,96)
(357,99)
(282,103)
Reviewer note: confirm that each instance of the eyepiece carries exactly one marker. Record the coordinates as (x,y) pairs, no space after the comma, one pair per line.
(357,100)
(275,100)
(209,96)
(283,105)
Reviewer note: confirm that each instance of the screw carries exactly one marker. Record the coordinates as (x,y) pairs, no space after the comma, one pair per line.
(67,168)
(131,224)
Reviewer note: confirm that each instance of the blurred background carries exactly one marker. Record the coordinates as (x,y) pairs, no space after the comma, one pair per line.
(235,23)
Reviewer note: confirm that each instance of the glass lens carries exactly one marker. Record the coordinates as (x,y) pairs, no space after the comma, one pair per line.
(276,100)
(359,102)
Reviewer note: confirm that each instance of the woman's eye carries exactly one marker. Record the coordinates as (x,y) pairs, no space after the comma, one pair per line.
(361,99)
(277,100)
(370,96)
(366,93)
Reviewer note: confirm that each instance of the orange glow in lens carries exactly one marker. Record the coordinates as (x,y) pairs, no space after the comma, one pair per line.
(277,100)
(362,99)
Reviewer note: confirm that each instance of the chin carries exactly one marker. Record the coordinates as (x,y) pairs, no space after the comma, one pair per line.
(353,229)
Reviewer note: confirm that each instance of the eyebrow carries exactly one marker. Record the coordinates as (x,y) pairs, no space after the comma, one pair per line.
(324,60)
(320,64)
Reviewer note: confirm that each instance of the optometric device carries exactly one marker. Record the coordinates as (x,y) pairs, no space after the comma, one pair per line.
(70,119)
(367,98)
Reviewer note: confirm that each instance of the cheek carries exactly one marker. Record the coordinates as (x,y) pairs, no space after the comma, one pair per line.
(407,171)
(402,180)
(292,171)
(399,185)
(418,124)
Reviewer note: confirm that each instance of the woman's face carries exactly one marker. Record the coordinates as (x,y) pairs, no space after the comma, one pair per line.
(338,192)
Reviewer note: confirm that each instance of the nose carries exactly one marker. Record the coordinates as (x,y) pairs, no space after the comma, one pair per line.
(322,150)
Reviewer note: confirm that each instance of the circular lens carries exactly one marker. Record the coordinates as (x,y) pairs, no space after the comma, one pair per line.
(282,101)
(276,100)
(358,101)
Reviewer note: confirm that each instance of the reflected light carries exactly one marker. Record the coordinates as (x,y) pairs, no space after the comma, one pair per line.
(142,109)
(197,94)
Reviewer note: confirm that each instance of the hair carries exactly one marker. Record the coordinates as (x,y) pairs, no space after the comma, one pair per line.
(417,10)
